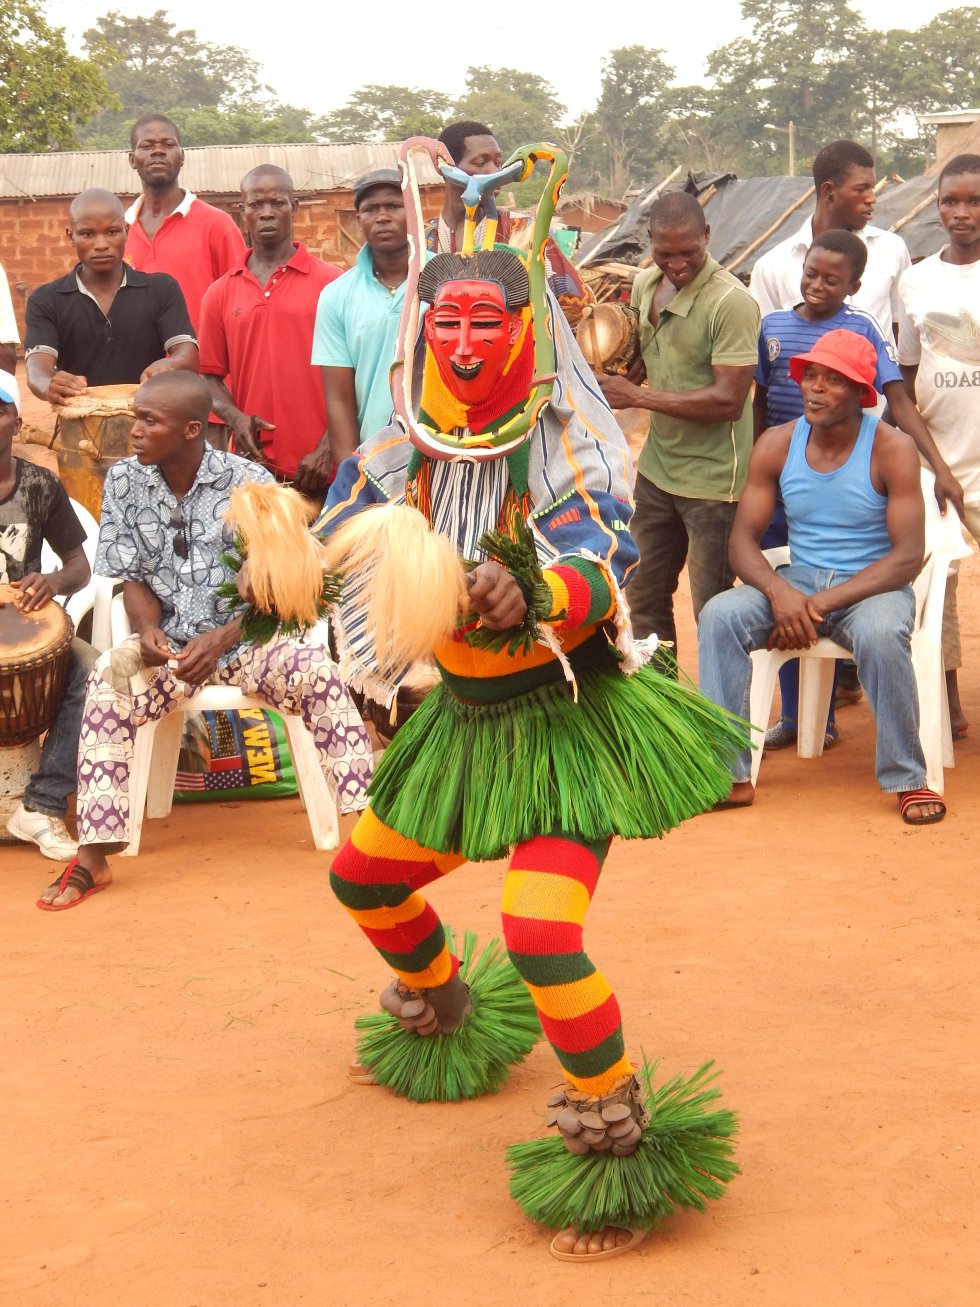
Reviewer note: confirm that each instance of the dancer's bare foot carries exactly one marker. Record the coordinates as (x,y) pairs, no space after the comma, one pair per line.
(613,1241)
(741,795)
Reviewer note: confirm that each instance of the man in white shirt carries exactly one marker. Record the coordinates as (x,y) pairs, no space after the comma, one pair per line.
(939,354)
(9,335)
(844,180)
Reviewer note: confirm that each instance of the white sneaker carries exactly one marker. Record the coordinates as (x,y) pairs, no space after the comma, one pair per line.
(50,834)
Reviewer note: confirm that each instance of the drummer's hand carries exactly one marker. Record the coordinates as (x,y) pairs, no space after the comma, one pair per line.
(619,392)
(199,657)
(35,591)
(64,386)
(246,431)
(155,648)
(496,596)
(155,368)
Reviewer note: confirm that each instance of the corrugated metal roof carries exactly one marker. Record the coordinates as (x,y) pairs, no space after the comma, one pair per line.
(208,170)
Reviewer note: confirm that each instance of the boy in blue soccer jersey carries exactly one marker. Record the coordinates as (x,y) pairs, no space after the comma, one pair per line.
(832,273)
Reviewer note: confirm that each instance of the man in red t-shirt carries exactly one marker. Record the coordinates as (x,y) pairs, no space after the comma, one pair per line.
(170,229)
(257,336)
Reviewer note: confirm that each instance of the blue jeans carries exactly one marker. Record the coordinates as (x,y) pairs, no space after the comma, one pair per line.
(56,776)
(876,630)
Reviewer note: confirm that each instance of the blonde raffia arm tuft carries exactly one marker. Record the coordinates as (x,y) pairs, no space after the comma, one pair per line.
(410,580)
(286,563)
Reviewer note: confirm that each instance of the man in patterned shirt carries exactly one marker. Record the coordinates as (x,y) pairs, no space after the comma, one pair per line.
(163,533)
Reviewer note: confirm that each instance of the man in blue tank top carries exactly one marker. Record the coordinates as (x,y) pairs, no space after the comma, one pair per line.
(854,509)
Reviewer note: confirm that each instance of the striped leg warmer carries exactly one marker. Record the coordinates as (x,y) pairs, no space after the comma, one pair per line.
(546,895)
(375,876)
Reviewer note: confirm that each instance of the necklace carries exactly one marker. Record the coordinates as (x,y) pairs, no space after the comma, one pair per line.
(392,290)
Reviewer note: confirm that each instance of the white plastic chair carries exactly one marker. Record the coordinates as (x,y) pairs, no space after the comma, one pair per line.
(96,595)
(944,545)
(157,749)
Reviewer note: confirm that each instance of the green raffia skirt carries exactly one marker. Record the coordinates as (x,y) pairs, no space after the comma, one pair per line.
(634,757)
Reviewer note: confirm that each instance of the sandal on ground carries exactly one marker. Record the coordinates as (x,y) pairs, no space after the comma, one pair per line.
(910,798)
(636,1236)
(783,734)
(74,876)
(359,1074)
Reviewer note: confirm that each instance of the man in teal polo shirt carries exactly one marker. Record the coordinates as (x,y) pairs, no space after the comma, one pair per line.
(699,332)
(357,318)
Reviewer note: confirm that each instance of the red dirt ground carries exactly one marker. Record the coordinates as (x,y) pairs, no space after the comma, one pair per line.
(179,1131)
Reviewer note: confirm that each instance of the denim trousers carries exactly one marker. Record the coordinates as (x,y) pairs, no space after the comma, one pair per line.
(876,630)
(56,776)
(670,530)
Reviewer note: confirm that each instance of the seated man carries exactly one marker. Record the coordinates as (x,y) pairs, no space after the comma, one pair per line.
(34,508)
(104,324)
(163,533)
(851,490)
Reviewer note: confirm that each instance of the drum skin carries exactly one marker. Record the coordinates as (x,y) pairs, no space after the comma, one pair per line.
(35,649)
(87,446)
(609,337)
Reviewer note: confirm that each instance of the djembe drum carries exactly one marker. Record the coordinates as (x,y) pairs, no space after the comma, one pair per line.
(92,433)
(386,721)
(35,649)
(609,337)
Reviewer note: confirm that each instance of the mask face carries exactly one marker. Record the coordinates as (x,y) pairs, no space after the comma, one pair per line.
(470,332)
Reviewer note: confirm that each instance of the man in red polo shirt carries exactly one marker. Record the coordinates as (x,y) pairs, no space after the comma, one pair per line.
(170,229)
(257,335)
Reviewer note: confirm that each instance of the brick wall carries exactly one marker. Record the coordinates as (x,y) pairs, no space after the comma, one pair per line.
(34,248)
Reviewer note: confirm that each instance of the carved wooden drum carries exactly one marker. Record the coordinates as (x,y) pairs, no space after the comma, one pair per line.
(93,433)
(609,337)
(34,652)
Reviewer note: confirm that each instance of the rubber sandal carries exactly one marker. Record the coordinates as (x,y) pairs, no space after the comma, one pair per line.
(74,876)
(909,798)
(636,1237)
(359,1074)
(782,735)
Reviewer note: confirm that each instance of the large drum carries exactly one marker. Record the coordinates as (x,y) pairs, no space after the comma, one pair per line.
(609,337)
(34,652)
(92,433)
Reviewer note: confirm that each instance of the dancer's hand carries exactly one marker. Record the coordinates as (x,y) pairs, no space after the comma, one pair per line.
(496,596)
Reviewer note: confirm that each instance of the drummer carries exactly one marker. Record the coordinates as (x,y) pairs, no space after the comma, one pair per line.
(35,508)
(104,324)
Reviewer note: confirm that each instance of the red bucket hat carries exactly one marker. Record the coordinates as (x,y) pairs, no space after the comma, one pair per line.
(846,352)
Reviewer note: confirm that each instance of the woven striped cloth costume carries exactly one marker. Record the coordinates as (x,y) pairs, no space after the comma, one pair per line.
(542,752)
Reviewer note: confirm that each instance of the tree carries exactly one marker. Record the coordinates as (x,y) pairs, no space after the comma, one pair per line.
(797,66)
(45,92)
(630,117)
(213,92)
(386,113)
(520,108)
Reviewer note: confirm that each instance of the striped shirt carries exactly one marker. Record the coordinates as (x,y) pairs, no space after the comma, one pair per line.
(784,334)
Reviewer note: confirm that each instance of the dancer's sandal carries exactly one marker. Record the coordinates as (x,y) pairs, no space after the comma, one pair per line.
(599,1123)
(634,1234)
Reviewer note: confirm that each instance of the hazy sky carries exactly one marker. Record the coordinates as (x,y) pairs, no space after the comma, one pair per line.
(316,55)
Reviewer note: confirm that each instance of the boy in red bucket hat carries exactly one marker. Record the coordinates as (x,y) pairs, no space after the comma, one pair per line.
(855,515)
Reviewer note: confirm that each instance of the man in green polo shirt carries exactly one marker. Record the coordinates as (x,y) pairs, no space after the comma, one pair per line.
(699,333)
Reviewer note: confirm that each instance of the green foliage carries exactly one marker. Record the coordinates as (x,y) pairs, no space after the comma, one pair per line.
(520,107)
(213,92)
(386,113)
(45,92)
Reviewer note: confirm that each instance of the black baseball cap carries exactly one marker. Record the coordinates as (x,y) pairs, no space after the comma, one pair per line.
(380,177)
